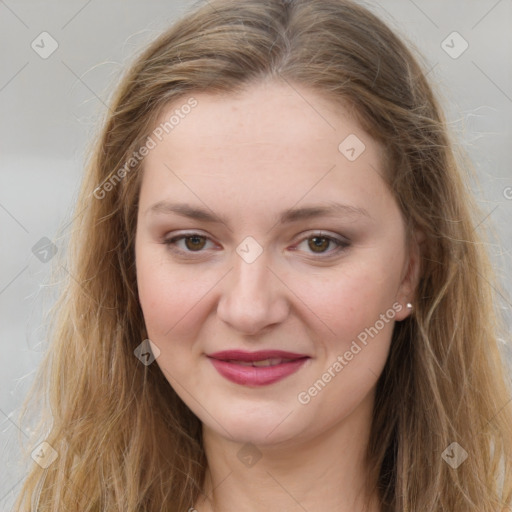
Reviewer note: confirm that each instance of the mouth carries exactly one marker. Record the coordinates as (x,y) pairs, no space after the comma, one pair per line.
(256,368)
(261,363)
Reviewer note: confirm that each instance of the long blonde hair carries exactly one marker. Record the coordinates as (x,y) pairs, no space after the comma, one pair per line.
(125,441)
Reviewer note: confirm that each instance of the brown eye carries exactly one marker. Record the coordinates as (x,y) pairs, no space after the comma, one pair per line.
(187,243)
(195,242)
(318,243)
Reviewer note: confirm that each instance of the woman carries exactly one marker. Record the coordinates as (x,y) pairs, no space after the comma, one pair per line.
(279,300)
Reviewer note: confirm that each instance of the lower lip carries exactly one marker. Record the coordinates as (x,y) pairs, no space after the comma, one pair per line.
(256,375)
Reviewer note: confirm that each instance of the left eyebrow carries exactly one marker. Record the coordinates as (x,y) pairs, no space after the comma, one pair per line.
(331,209)
(285,217)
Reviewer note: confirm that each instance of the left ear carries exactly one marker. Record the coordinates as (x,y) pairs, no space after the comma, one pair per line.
(411,275)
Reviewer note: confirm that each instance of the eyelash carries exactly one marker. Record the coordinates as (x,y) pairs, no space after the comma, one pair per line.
(341,245)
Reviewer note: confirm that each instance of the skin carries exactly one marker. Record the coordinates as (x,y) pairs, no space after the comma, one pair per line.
(248,157)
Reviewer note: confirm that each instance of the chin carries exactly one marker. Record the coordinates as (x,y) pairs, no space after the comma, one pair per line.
(256,424)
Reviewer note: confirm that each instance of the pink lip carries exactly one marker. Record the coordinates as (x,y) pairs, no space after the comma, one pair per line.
(225,362)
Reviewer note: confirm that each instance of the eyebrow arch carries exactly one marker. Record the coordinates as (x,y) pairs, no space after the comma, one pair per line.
(286,217)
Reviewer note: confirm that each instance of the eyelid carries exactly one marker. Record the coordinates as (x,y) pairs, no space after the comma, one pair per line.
(322,233)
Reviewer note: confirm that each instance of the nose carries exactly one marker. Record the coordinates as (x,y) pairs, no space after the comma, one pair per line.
(252,297)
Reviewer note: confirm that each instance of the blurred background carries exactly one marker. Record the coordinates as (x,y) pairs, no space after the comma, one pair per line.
(59,64)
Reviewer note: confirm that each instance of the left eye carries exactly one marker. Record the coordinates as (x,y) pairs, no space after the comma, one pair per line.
(195,242)
(319,242)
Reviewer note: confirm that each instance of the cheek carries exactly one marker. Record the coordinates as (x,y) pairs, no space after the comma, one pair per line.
(171,302)
(353,297)
(167,296)
(356,304)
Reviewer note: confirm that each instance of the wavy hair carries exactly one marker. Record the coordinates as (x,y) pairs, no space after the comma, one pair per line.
(125,441)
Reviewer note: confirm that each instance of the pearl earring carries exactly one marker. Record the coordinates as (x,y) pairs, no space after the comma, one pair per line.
(409,305)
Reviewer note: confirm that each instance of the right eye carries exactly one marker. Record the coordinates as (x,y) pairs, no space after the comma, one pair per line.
(194,242)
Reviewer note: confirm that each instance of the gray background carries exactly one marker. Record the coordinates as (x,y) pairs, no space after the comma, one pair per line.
(51,107)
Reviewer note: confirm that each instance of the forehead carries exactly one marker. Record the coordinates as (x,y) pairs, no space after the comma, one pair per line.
(256,115)
(273,139)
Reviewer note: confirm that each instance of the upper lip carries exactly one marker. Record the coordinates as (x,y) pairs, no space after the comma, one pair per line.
(261,355)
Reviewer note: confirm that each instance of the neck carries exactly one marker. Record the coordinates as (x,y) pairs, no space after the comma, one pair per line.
(326,471)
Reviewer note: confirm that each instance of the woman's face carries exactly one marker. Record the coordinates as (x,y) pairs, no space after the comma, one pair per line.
(262,270)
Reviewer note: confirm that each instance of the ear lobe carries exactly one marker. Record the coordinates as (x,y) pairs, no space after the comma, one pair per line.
(407,291)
